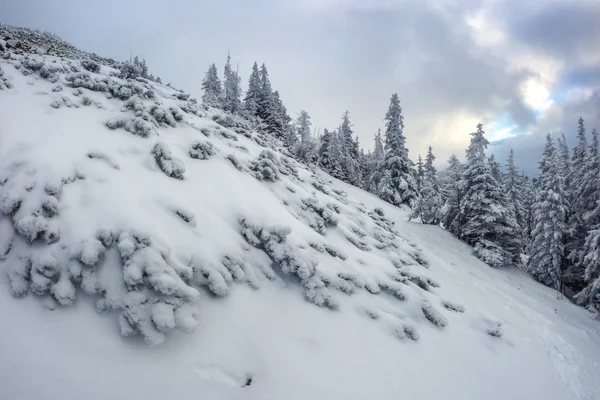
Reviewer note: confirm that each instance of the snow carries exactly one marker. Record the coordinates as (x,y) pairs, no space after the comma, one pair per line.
(259,280)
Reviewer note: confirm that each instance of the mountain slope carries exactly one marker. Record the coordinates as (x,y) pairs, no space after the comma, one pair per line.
(126,196)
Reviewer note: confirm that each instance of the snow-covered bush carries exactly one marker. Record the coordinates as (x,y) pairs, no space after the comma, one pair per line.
(171,166)
(448,305)
(201,150)
(289,259)
(136,126)
(433,315)
(266,167)
(90,65)
(129,70)
(318,216)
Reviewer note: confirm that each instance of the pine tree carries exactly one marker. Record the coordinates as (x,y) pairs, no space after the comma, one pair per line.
(577,276)
(212,88)
(576,225)
(451,217)
(373,170)
(397,184)
(419,174)
(429,204)
(513,187)
(489,226)
(265,100)
(253,94)
(303,147)
(547,248)
(231,88)
(324,146)
(564,162)
(495,169)
(335,156)
(528,197)
(351,152)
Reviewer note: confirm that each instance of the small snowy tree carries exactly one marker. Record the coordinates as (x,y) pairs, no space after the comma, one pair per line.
(374,170)
(495,169)
(212,88)
(419,174)
(454,191)
(547,247)
(398,185)
(489,226)
(429,204)
(253,94)
(303,147)
(513,186)
(231,89)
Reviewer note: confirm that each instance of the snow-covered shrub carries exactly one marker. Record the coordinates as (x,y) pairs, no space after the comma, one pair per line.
(360,244)
(172,167)
(136,126)
(393,289)
(32,64)
(186,216)
(448,305)
(91,66)
(318,216)
(266,167)
(433,315)
(241,271)
(201,150)
(236,163)
(4,82)
(289,259)
(129,70)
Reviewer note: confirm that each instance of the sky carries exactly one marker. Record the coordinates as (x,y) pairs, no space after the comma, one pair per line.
(521,67)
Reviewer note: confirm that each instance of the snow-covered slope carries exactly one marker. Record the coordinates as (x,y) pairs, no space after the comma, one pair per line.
(127,208)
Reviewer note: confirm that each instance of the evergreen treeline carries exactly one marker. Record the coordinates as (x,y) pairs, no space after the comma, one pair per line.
(550,227)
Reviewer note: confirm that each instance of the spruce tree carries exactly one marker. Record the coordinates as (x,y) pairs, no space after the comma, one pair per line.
(335,156)
(350,150)
(373,170)
(265,100)
(253,94)
(212,87)
(231,88)
(488,223)
(303,147)
(495,169)
(429,204)
(513,187)
(547,248)
(454,191)
(529,194)
(419,174)
(398,185)
(324,145)
(576,225)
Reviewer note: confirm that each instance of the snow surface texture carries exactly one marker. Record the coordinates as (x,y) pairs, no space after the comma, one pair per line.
(128,197)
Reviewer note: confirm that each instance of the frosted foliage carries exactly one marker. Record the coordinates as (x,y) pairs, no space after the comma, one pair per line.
(201,150)
(172,167)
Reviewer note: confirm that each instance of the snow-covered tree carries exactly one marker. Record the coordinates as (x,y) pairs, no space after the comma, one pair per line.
(577,227)
(429,205)
(528,197)
(350,149)
(212,87)
(488,223)
(419,174)
(324,147)
(495,169)
(265,100)
(304,146)
(397,185)
(547,248)
(513,186)
(454,191)
(373,171)
(253,94)
(231,88)
(335,156)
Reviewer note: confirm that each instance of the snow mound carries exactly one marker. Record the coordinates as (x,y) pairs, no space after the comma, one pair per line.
(269,218)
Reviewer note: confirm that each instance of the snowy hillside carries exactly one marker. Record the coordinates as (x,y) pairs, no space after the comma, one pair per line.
(127,209)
